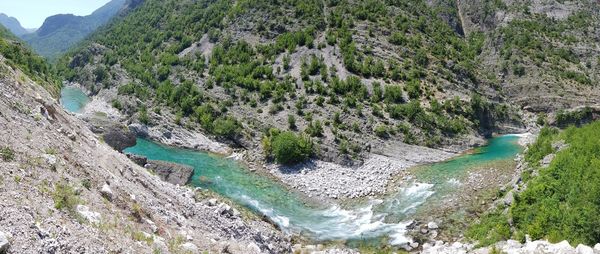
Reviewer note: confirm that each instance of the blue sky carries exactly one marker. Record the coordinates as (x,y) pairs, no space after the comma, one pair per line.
(32,13)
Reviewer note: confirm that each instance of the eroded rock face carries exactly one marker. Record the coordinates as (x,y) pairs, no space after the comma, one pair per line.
(171,172)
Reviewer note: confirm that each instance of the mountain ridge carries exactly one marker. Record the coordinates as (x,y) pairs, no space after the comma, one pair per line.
(60,32)
(13,25)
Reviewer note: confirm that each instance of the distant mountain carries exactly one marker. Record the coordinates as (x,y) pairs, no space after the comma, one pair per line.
(13,25)
(61,32)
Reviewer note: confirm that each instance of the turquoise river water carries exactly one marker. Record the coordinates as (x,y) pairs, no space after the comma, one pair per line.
(73,99)
(382,219)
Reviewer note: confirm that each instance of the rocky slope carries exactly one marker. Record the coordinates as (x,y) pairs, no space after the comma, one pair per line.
(64,191)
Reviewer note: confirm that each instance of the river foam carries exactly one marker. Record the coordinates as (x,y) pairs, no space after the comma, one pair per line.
(367,221)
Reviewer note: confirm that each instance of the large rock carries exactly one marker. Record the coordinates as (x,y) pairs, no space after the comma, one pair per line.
(138,159)
(4,244)
(119,138)
(171,172)
(139,130)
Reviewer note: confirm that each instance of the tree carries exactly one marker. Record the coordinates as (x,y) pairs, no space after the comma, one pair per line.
(288,148)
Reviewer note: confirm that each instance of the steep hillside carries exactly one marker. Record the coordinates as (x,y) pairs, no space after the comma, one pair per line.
(12,24)
(18,56)
(64,191)
(545,53)
(353,76)
(61,32)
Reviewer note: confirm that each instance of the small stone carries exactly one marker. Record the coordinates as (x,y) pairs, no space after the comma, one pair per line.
(414,245)
(212,202)
(432,225)
(424,231)
(597,247)
(160,245)
(152,225)
(106,192)
(50,159)
(72,136)
(189,248)
(91,216)
(4,244)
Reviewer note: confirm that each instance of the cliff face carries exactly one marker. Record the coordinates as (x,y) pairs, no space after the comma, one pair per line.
(65,191)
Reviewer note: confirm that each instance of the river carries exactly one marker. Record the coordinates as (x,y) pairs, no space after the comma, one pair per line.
(382,219)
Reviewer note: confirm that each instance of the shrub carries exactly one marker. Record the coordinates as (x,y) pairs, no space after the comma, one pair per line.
(393,94)
(288,148)
(291,122)
(7,154)
(226,127)
(381,131)
(65,198)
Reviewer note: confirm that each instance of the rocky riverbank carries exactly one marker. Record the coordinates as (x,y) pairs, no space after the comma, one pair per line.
(329,180)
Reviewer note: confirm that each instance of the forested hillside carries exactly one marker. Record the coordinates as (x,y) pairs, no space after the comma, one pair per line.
(61,32)
(19,56)
(349,75)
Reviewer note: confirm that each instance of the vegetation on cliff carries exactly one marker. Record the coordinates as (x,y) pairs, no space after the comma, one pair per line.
(561,200)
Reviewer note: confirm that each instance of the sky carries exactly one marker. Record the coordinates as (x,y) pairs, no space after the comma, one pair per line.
(32,13)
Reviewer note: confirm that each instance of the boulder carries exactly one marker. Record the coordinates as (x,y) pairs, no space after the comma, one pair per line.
(4,244)
(139,130)
(106,192)
(171,172)
(119,138)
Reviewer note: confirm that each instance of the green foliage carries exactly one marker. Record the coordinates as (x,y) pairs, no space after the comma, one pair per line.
(393,94)
(288,148)
(7,154)
(65,198)
(562,201)
(578,117)
(490,229)
(27,61)
(381,131)
(226,127)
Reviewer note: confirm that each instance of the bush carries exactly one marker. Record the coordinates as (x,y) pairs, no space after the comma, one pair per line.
(226,127)
(381,131)
(288,148)
(65,198)
(393,94)
(7,154)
